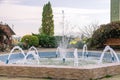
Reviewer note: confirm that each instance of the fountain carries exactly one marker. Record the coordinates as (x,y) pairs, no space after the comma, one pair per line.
(75,57)
(84,52)
(34,52)
(34,58)
(62,72)
(64,42)
(112,52)
(52,65)
(62,52)
(57,52)
(33,48)
(11,52)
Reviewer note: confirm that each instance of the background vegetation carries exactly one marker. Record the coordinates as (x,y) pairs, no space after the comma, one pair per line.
(106,31)
(46,41)
(47,20)
(29,40)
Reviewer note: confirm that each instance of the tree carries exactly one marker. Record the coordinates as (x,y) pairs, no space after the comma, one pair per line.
(88,30)
(47,20)
(105,32)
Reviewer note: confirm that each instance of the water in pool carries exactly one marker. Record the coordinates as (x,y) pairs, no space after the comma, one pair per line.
(70,58)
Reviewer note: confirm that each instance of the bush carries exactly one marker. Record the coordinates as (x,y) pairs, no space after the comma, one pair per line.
(30,40)
(80,45)
(58,40)
(110,30)
(46,41)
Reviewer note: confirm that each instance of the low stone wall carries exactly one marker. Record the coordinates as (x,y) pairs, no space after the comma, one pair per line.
(60,72)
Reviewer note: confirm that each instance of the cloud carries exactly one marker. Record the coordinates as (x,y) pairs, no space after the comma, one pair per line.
(10,1)
(27,19)
(80,11)
(81,17)
(19,11)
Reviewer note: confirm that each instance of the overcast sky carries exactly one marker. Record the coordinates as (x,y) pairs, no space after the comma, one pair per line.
(26,15)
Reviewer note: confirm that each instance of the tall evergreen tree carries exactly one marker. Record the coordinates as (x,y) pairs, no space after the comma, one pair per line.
(47,20)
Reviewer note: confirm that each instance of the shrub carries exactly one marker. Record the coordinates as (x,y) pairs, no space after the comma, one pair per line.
(30,40)
(106,31)
(46,41)
(58,40)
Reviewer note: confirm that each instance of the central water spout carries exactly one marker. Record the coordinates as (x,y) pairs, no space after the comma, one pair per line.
(62,52)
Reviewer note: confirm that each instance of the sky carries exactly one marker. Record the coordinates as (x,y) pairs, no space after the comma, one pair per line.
(24,16)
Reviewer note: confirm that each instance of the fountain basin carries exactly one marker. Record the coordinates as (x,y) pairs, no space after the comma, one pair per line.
(60,72)
(85,72)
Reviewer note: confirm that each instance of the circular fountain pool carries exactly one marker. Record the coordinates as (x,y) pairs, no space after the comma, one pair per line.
(71,66)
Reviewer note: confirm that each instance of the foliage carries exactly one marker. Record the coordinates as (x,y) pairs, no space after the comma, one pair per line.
(106,31)
(58,40)
(80,44)
(4,42)
(63,41)
(76,44)
(108,76)
(73,42)
(30,40)
(46,41)
(47,20)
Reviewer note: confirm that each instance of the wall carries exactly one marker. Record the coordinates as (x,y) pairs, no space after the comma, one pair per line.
(60,72)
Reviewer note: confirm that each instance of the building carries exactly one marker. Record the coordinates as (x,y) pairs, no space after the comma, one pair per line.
(5,36)
(115,10)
